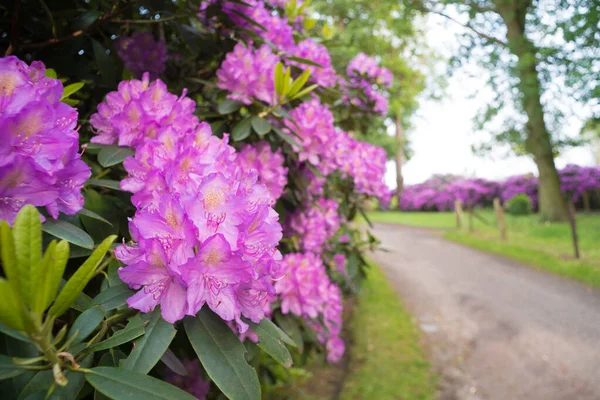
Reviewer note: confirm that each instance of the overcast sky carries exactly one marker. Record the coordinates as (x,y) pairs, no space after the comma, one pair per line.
(442,134)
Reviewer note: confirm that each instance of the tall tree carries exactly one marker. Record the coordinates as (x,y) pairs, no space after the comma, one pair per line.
(537,53)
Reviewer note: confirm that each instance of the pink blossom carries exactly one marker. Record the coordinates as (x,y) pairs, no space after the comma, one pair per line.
(310,50)
(192,382)
(315,224)
(268,164)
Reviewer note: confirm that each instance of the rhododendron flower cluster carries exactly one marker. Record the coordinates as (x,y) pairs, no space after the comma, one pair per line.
(205,231)
(514,185)
(315,224)
(192,382)
(268,164)
(141,53)
(247,74)
(363,73)
(310,50)
(339,263)
(576,180)
(139,110)
(39,158)
(307,292)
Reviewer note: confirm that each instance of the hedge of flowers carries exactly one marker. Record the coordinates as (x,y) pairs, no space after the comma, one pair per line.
(440,192)
(185,232)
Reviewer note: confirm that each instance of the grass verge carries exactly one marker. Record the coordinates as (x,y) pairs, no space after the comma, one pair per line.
(386,360)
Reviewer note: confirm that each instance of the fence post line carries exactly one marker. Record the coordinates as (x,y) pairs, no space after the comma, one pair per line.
(573,223)
(500,218)
(458,212)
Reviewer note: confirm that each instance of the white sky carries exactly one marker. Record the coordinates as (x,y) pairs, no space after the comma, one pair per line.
(443,130)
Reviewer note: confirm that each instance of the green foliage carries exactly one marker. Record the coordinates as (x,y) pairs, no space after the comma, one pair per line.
(519,204)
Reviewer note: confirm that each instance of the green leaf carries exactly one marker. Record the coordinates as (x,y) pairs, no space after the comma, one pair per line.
(261,125)
(13,333)
(105,183)
(222,356)
(93,215)
(113,297)
(8,369)
(299,83)
(304,92)
(148,349)
(80,278)
(228,106)
(173,363)
(289,325)
(11,309)
(271,341)
(85,324)
(51,73)
(106,65)
(76,382)
(39,275)
(9,258)
(71,89)
(71,102)
(40,382)
(279,78)
(304,61)
(113,155)
(287,79)
(134,329)
(27,236)
(71,233)
(53,278)
(241,130)
(288,138)
(119,383)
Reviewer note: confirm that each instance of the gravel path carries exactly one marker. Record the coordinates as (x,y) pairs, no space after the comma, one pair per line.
(495,329)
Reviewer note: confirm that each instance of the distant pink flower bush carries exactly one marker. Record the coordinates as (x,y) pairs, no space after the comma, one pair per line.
(39,158)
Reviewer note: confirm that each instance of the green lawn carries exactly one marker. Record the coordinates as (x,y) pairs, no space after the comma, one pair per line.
(544,245)
(386,360)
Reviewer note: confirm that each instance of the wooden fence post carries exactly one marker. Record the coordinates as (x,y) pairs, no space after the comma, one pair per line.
(573,224)
(470,210)
(586,202)
(500,217)
(459,213)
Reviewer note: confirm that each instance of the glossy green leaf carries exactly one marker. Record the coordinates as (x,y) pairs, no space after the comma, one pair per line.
(76,382)
(148,349)
(39,275)
(173,363)
(51,73)
(71,233)
(113,155)
(106,65)
(260,125)
(105,183)
(8,369)
(271,340)
(71,89)
(222,356)
(53,278)
(93,215)
(40,382)
(290,326)
(121,384)
(304,61)
(299,83)
(134,329)
(85,324)
(80,278)
(13,333)
(241,130)
(27,235)
(113,297)
(287,81)
(304,92)
(228,106)
(287,137)
(9,258)
(279,78)
(11,309)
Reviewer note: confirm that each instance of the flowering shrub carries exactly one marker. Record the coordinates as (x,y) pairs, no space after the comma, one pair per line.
(228,138)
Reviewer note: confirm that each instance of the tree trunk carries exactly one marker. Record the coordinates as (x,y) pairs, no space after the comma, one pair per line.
(552,204)
(399,157)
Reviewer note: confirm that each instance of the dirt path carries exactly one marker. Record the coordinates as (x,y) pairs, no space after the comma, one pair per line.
(495,329)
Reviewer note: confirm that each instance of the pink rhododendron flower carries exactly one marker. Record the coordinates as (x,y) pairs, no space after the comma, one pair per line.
(339,263)
(308,293)
(315,224)
(39,158)
(248,74)
(141,53)
(310,50)
(205,231)
(363,75)
(268,164)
